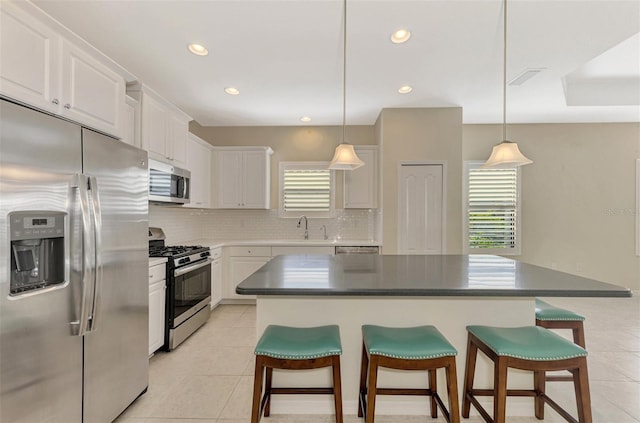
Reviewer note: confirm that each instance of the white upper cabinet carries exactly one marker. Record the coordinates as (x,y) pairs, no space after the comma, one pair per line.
(244,177)
(361,185)
(29,54)
(43,69)
(91,93)
(164,127)
(199,163)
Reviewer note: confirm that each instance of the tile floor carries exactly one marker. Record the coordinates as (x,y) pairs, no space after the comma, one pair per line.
(208,379)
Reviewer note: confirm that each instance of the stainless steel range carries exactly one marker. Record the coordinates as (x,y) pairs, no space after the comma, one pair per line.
(188,287)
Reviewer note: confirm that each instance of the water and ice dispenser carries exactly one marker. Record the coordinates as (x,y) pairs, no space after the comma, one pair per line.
(37,250)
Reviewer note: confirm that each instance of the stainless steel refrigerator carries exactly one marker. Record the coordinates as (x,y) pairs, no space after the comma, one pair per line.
(73,271)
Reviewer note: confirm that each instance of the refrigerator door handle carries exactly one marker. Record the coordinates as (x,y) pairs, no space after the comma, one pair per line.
(97,249)
(81,327)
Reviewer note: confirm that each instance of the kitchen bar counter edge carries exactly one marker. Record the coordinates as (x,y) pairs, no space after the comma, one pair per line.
(405,276)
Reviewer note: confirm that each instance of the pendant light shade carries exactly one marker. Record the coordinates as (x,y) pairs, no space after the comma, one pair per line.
(506,154)
(345,157)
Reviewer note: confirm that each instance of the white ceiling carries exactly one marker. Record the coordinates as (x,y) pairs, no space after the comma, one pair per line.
(285,56)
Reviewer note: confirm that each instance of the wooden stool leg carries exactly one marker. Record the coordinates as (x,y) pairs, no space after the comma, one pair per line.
(433,386)
(371,389)
(257,391)
(500,390)
(364,364)
(452,391)
(469,372)
(337,387)
(578,335)
(539,379)
(267,391)
(583,397)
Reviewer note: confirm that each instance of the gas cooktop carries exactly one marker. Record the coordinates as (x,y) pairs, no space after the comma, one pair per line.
(175,251)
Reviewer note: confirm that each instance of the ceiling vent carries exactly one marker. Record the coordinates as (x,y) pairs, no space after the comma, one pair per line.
(525,75)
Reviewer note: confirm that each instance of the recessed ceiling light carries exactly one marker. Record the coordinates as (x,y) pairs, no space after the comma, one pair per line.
(400,36)
(198,49)
(405,89)
(232,91)
(305,119)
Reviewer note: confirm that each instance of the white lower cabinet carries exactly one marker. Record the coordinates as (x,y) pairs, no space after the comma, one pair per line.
(216,277)
(157,293)
(243,261)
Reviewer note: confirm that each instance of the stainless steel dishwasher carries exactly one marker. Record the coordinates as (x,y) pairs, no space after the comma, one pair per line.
(372,249)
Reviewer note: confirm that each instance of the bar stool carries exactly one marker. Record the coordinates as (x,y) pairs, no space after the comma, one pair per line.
(552,317)
(283,347)
(415,348)
(527,348)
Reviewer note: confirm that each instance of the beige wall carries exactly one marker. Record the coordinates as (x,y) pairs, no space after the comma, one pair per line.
(578,197)
(421,135)
(289,143)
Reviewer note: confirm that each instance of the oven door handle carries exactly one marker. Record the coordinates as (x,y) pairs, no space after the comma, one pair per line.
(187,269)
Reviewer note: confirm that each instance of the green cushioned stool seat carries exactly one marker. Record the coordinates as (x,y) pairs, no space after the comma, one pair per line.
(531,348)
(294,348)
(528,343)
(415,343)
(420,348)
(546,311)
(299,343)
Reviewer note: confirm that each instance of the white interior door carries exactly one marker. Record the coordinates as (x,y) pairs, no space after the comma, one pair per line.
(420,209)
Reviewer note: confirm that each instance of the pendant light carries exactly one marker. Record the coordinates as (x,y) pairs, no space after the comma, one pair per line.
(345,157)
(506,154)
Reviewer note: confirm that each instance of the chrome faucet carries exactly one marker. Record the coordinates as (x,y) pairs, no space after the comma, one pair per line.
(324,229)
(306,226)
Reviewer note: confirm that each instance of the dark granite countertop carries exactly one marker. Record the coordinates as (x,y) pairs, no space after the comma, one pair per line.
(414,275)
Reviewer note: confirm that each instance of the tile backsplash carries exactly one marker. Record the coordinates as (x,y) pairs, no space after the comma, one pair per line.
(185,224)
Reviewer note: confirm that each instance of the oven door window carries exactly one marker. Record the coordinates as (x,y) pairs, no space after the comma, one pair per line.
(191,288)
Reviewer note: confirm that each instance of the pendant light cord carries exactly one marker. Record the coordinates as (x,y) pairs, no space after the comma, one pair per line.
(504,73)
(344,74)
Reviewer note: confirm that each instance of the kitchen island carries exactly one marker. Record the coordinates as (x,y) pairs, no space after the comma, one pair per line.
(447,291)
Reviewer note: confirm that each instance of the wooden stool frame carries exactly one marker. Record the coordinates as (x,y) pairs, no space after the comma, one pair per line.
(576,326)
(265,365)
(577,366)
(368,385)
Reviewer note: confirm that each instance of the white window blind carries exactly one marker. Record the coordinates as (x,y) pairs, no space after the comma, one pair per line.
(492,209)
(306,190)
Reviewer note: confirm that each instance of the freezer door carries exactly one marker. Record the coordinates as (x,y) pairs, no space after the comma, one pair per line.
(116,356)
(40,358)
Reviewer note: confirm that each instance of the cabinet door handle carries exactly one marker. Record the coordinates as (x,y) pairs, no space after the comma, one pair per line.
(55,101)
(67,106)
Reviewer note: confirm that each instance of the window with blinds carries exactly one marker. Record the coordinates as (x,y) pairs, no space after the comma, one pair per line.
(306,189)
(492,215)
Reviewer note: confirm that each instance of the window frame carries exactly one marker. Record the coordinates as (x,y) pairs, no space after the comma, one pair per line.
(517,249)
(284,166)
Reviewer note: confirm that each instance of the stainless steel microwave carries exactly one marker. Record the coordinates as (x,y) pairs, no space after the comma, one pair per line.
(168,184)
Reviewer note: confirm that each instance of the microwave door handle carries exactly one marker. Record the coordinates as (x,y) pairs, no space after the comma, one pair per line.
(96,212)
(80,326)
(185,187)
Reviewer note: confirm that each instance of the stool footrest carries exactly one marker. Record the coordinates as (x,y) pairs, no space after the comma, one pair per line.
(559,378)
(403,391)
(510,392)
(323,391)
